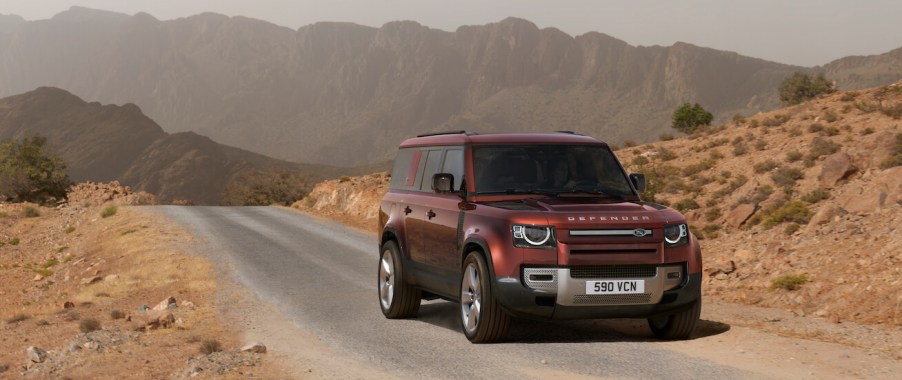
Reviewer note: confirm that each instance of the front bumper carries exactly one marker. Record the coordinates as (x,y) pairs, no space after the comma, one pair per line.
(559,293)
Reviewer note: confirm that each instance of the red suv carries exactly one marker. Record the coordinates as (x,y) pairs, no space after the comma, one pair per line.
(533,225)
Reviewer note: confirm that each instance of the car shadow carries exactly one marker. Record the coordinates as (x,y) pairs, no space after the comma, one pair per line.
(445,314)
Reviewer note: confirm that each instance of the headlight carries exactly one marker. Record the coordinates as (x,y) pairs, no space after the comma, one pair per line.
(676,235)
(534,236)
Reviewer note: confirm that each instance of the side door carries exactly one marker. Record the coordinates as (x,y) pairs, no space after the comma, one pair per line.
(441,224)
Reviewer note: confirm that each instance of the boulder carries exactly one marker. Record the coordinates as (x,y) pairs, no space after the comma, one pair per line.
(823,216)
(36,354)
(164,304)
(158,319)
(740,214)
(835,168)
(722,265)
(37,277)
(91,280)
(256,347)
(68,305)
(111,278)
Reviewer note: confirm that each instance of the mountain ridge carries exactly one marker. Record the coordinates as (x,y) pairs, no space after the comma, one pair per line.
(315,93)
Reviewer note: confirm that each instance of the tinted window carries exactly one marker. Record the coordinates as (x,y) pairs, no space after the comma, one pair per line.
(551,168)
(433,160)
(407,165)
(454,164)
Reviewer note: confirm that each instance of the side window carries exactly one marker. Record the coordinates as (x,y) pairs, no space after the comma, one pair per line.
(408,164)
(433,159)
(454,164)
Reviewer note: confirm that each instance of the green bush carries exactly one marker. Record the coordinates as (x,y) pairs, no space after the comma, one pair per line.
(821,147)
(31,212)
(108,211)
(686,204)
(764,166)
(793,156)
(14,241)
(816,195)
(785,177)
(712,214)
(687,118)
(801,87)
(896,158)
(792,211)
(665,154)
(698,167)
(264,188)
(789,282)
(29,173)
(69,230)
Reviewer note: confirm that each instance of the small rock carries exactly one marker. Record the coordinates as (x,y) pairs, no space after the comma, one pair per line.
(543,361)
(188,304)
(256,347)
(835,168)
(111,277)
(740,214)
(37,277)
(36,354)
(164,304)
(91,280)
(68,305)
(143,308)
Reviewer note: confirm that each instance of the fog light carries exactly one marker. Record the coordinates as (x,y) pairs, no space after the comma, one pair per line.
(673,275)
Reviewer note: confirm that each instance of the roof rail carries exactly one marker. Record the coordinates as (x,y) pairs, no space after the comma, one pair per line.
(446,133)
(569,133)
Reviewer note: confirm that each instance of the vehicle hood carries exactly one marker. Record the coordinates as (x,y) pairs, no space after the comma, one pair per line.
(590,212)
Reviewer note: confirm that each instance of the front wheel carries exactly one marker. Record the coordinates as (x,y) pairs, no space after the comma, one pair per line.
(396,298)
(481,316)
(676,326)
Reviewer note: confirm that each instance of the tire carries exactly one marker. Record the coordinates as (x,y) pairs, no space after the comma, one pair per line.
(397,299)
(676,326)
(482,319)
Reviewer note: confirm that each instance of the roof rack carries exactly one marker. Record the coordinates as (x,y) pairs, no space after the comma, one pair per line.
(447,133)
(569,133)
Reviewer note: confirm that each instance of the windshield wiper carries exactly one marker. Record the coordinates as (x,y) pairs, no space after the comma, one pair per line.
(597,190)
(550,193)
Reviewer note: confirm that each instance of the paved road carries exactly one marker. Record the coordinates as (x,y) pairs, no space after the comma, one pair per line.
(323,276)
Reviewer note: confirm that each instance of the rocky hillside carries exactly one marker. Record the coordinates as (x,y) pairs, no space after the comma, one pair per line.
(102,143)
(317,93)
(799,208)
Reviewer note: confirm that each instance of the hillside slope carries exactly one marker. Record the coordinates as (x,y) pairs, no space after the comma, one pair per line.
(808,196)
(103,143)
(317,93)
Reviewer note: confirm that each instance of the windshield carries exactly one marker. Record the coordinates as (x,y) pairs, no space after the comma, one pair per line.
(549,170)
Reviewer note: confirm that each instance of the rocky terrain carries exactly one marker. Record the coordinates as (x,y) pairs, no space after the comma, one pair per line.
(320,92)
(108,142)
(799,208)
(93,289)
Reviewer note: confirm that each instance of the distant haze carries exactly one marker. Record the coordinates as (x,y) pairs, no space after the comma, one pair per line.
(802,32)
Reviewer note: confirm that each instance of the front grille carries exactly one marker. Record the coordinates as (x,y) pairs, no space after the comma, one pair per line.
(612,299)
(550,273)
(614,252)
(613,271)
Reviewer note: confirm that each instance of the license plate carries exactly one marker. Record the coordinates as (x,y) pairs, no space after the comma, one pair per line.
(615,287)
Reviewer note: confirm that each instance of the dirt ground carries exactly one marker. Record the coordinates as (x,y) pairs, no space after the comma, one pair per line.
(70,268)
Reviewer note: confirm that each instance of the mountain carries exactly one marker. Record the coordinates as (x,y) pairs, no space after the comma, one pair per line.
(346,94)
(108,142)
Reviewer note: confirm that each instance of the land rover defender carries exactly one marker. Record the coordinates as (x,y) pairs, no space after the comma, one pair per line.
(531,225)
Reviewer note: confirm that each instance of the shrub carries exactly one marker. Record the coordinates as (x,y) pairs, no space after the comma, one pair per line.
(864,107)
(108,211)
(791,228)
(816,195)
(31,212)
(849,96)
(753,123)
(210,346)
(765,166)
(815,127)
(14,241)
(42,271)
(3,214)
(344,179)
(88,324)
(830,131)
(640,160)
(789,282)
(822,147)
(785,177)
(666,136)
(29,173)
(896,158)
(264,188)
(686,204)
(69,230)
(760,144)
(665,154)
(792,211)
(867,131)
(801,87)
(698,167)
(793,156)
(688,118)
(894,111)
(775,121)
(712,214)
(830,117)
(629,144)
(117,314)
(715,154)
(50,262)
(795,131)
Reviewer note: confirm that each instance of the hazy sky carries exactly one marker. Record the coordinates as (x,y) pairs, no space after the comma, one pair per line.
(802,32)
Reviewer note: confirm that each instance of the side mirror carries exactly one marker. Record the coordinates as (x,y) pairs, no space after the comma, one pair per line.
(638,180)
(443,182)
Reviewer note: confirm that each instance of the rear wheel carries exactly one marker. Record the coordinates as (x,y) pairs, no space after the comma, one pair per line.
(676,326)
(396,298)
(481,316)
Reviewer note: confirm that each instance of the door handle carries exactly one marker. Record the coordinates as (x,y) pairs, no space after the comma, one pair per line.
(430,214)
(407,210)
